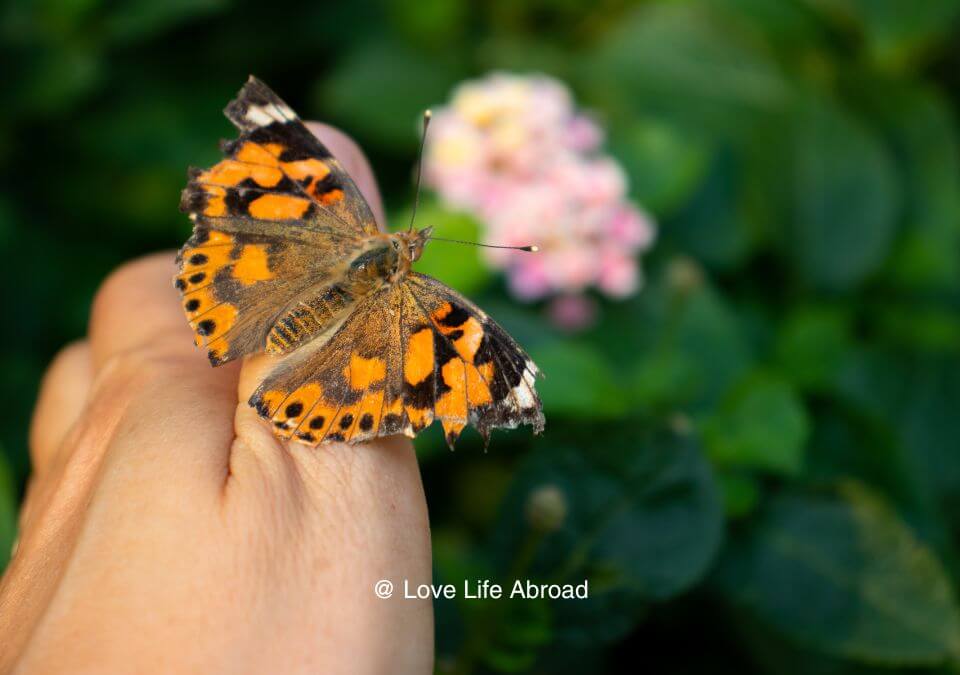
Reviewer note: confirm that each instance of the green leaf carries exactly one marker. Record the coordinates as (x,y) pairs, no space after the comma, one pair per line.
(578,381)
(897,34)
(139,20)
(382,89)
(789,27)
(687,63)
(761,424)
(53,80)
(641,521)
(709,227)
(685,332)
(741,493)
(929,428)
(911,405)
(811,345)
(924,134)
(708,331)
(664,379)
(523,626)
(526,54)
(433,22)
(664,164)
(845,196)
(842,574)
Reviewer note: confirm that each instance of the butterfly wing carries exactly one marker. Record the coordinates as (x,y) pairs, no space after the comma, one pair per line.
(277,171)
(410,353)
(481,375)
(270,221)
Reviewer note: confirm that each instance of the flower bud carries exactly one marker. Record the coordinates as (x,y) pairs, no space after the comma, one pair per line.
(684,275)
(546,508)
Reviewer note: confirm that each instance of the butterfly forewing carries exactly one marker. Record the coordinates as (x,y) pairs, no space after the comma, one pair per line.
(270,223)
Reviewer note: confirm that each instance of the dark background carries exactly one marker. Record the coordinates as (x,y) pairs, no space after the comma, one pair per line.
(756,460)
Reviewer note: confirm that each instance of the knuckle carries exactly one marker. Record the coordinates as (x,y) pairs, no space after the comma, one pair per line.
(127,279)
(154,364)
(118,281)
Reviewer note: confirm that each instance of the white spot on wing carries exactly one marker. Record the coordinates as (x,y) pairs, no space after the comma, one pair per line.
(285,112)
(524,397)
(259,116)
(264,115)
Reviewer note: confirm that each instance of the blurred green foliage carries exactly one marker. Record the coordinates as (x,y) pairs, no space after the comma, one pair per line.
(755,462)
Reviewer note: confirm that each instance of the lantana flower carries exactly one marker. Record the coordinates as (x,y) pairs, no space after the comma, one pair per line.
(515,152)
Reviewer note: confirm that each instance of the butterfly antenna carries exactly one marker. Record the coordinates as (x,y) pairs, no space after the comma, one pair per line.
(532,248)
(423,141)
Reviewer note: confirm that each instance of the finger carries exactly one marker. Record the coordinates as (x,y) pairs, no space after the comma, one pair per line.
(336,495)
(171,408)
(63,395)
(136,307)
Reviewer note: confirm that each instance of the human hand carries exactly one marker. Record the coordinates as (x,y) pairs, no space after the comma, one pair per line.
(166,529)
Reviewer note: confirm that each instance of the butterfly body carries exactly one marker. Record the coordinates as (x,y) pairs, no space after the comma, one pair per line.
(378,260)
(286,258)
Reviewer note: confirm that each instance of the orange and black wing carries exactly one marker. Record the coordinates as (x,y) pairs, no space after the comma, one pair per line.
(277,171)
(481,375)
(410,353)
(270,221)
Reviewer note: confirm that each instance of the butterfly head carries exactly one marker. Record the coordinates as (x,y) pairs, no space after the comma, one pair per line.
(410,244)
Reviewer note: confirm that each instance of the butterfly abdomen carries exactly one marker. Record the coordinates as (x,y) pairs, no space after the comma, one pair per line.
(367,271)
(307,319)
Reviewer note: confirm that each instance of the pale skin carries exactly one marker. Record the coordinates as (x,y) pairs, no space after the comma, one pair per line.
(167,530)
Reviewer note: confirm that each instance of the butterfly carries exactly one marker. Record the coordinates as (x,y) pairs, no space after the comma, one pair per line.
(286,258)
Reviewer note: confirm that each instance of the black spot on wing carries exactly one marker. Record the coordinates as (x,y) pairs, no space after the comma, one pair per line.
(261,406)
(457,316)
(297,141)
(366,422)
(327,184)
(443,351)
(421,395)
(496,346)
(391,424)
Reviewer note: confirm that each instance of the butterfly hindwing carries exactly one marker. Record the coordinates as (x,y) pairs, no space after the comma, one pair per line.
(411,353)
(342,388)
(481,375)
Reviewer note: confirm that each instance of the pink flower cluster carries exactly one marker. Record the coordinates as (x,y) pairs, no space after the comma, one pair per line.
(514,151)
